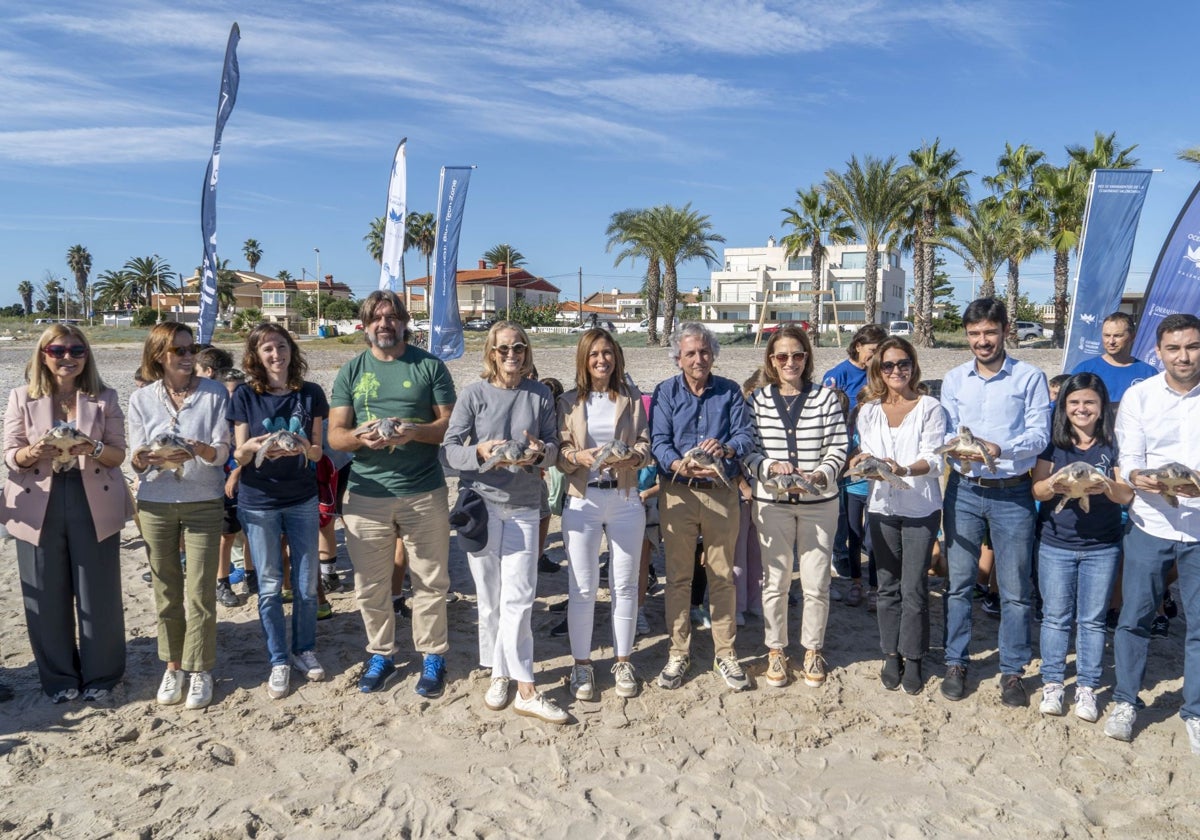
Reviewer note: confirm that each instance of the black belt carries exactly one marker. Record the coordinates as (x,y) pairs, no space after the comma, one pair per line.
(996,483)
(606,484)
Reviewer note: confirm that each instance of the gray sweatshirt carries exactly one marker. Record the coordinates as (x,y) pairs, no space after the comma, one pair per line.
(201,418)
(488,412)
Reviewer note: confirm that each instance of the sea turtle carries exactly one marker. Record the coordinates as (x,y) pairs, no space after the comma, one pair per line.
(1078,480)
(1172,476)
(507,454)
(966,444)
(783,484)
(289,442)
(612,453)
(697,457)
(64,438)
(164,446)
(384,427)
(877,470)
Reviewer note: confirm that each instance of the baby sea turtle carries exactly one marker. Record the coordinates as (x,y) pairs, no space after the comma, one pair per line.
(877,470)
(697,457)
(64,438)
(1172,476)
(164,446)
(507,454)
(781,485)
(966,444)
(1080,481)
(612,453)
(289,442)
(384,427)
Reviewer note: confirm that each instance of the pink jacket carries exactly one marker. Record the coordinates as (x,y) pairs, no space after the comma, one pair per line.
(27,490)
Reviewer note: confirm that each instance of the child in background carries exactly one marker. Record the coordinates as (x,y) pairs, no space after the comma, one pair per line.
(855,494)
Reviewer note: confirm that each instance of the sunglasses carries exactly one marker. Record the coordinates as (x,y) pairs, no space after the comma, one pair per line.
(904,366)
(189,350)
(505,349)
(58,351)
(798,356)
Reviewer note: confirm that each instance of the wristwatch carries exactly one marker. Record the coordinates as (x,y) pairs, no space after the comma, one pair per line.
(901,470)
(98,449)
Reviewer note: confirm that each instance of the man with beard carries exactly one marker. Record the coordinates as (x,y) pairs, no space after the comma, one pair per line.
(1006,405)
(1156,426)
(396,488)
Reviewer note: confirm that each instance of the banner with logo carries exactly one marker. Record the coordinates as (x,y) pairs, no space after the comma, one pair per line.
(1175,282)
(1110,221)
(394,221)
(445,324)
(208,198)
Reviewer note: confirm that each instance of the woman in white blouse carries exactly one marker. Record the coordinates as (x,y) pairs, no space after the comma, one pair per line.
(902,427)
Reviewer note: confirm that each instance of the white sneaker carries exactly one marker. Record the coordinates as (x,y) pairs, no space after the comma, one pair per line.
(1193,730)
(1085,704)
(497,694)
(583,682)
(672,675)
(306,663)
(731,671)
(1120,722)
(643,626)
(1052,699)
(626,678)
(170,690)
(541,707)
(278,682)
(200,691)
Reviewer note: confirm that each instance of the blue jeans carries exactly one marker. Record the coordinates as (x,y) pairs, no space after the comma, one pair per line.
(1143,582)
(1075,586)
(1010,515)
(264,528)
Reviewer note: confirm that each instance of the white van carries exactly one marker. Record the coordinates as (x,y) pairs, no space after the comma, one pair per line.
(900,328)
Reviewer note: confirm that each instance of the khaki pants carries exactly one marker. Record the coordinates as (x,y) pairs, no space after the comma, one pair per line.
(783,531)
(372,527)
(687,513)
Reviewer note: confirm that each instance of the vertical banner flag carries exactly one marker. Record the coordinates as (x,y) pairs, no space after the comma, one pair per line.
(208,199)
(445,325)
(1110,223)
(394,219)
(1175,282)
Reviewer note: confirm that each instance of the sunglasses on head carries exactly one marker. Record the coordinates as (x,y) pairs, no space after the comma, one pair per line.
(505,349)
(59,351)
(798,356)
(904,366)
(189,350)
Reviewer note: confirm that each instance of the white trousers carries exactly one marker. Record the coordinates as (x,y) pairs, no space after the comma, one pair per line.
(505,574)
(783,532)
(623,518)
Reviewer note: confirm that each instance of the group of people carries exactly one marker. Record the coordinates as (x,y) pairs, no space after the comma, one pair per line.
(993,441)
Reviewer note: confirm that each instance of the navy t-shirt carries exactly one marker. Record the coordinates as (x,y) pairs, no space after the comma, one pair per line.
(1073,529)
(285,481)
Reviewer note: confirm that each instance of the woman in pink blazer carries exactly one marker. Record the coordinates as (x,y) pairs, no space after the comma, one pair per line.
(66,514)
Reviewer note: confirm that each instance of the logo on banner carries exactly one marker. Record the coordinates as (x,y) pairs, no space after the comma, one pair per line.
(1089,318)
(1193,255)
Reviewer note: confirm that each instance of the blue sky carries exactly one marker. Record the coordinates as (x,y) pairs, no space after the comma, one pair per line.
(571,111)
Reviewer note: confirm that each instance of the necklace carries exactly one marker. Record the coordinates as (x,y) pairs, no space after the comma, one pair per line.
(183,392)
(67,401)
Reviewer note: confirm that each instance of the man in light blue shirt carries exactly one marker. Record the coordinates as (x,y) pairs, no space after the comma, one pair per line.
(1006,405)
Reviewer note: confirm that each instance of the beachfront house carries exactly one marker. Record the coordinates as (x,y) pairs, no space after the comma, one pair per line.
(486,290)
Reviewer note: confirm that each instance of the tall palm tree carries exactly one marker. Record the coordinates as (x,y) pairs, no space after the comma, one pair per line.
(506,254)
(25,290)
(874,195)
(982,240)
(939,192)
(679,234)
(1105,153)
(80,263)
(627,231)
(1013,186)
(117,289)
(283,274)
(153,274)
(253,253)
(424,240)
(1191,155)
(813,219)
(1061,193)
(374,239)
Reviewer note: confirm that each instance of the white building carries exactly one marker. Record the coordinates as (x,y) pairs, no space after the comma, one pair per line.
(754,279)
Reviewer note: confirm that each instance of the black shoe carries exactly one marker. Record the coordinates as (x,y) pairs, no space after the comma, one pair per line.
(1170,608)
(991,604)
(559,606)
(332,582)
(954,684)
(559,630)
(913,681)
(251,582)
(890,673)
(1111,618)
(1160,628)
(400,607)
(226,596)
(546,565)
(1012,691)
(980,591)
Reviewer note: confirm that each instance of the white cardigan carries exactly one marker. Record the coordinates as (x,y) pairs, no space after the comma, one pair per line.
(922,431)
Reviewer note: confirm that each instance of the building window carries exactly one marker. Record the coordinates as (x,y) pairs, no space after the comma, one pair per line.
(854,259)
(800,263)
(783,286)
(274,299)
(849,290)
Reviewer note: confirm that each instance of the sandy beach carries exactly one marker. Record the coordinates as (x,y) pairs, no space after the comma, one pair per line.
(847,759)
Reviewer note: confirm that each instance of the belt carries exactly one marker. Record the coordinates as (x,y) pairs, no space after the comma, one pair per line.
(606,484)
(996,483)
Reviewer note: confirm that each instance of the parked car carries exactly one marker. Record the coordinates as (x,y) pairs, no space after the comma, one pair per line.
(771,329)
(1026,330)
(900,328)
(478,324)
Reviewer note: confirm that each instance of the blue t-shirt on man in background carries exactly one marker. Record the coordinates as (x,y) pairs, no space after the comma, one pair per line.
(1116,378)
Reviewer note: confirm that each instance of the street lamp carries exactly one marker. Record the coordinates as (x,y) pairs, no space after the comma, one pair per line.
(317,251)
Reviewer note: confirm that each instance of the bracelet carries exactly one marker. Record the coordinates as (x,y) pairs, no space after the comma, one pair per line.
(99,448)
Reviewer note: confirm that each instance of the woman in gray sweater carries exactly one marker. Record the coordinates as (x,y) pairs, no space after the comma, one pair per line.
(505,407)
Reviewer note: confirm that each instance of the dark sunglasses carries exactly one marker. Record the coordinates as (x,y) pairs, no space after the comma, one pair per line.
(904,365)
(58,351)
(798,356)
(189,350)
(505,349)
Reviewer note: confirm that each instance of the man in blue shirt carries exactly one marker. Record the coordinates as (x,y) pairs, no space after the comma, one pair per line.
(1006,405)
(698,410)
(1117,367)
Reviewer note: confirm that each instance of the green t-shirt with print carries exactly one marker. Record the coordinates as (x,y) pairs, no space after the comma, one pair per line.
(408,388)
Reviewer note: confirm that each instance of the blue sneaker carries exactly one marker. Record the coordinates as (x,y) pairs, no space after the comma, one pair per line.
(237,575)
(433,676)
(376,673)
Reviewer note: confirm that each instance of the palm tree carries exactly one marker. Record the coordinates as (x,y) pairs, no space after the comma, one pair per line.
(940,192)
(1191,155)
(678,234)
(374,238)
(812,219)
(117,289)
(153,274)
(1013,186)
(627,230)
(25,290)
(253,253)
(80,263)
(874,195)
(504,254)
(424,238)
(1061,194)
(1105,153)
(283,274)
(982,240)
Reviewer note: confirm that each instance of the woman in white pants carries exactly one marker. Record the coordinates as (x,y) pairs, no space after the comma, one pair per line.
(506,406)
(602,498)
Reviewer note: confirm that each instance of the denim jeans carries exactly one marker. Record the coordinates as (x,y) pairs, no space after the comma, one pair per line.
(1009,512)
(264,528)
(1075,586)
(1143,582)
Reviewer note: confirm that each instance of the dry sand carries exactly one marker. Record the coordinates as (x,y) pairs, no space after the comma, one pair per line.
(846,759)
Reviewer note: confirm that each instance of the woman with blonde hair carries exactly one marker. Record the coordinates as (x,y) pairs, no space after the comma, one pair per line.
(180,439)
(66,511)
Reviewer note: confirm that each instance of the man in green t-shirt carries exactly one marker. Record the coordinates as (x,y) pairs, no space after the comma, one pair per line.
(396,489)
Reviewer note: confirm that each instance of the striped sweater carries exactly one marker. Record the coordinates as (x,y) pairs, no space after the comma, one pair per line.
(821,440)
